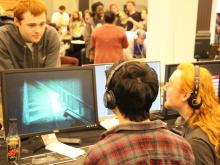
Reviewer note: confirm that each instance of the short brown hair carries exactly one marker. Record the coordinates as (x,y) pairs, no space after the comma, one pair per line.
(35,7)
(132,2)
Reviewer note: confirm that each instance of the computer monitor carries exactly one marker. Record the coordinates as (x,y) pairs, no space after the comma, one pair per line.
(49,100)
(212,66)
(202,45)
(104,113)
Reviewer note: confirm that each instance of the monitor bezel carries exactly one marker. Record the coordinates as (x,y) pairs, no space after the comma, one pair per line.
(37,70)
(175,114)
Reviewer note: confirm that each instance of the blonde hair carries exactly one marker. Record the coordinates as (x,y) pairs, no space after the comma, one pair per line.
(207,117)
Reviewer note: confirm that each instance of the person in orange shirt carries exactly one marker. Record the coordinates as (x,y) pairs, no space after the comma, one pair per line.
(109,40)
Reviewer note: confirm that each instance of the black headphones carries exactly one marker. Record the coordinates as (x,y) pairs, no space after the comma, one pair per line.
(192,99)
(109,97)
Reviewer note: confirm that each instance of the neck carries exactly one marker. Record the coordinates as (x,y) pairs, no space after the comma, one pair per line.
(132,12)
(123,120)
(186,112)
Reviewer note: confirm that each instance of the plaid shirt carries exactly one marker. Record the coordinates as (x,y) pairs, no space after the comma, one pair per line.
(147,143)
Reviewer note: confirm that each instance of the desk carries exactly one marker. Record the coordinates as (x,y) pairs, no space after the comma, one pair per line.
(88,137)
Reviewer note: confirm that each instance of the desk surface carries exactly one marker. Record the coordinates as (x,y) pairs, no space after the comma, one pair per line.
(88,137)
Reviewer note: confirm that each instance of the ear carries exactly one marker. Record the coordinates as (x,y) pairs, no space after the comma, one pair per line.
(16,21)
(186,96)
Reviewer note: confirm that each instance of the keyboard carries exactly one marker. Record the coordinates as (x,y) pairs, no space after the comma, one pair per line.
(52,158)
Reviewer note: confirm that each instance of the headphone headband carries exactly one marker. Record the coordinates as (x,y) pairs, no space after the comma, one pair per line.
(109,97)
(111,74)
(196,80)
(192,99)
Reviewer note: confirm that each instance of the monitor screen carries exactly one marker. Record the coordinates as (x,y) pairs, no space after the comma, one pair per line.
(212,66)
(49,100)
(103,112)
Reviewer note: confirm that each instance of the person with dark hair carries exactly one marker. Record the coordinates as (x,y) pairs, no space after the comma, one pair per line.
(131,88)
(96,21)
(62,8)
(29,42)
(109,40)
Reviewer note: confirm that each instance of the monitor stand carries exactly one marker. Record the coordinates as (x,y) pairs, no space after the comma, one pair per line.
(31,145)
(50,138)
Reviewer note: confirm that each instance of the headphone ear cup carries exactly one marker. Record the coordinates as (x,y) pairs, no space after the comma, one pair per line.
(109,99)
(192,101)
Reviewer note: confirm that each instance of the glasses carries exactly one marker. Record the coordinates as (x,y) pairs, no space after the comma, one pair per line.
(170,85)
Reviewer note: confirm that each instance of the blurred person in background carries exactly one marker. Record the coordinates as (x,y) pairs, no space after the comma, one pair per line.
(119,15)
(109,40)
(137,46)
(96,21)
(132,13)
(141,24)
(61,19)
(76,26)
(87,16)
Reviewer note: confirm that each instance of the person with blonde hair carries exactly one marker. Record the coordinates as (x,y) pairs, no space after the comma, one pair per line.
(191,92)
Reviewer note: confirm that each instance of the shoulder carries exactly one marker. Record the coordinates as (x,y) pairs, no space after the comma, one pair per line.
(177,143)
(6,28)
(56,14)
(51,32)
(203,150)
(195,133)
(121,29)
(95,154)
(8,31)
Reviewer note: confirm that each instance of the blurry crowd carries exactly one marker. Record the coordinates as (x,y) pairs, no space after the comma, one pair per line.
(80,25)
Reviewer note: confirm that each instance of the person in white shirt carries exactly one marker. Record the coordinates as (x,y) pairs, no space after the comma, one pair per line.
(61,19)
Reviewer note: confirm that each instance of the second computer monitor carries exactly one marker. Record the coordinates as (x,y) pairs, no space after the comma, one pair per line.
(103,112)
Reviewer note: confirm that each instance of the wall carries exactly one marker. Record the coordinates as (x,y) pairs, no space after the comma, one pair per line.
(171,32)
(8,4)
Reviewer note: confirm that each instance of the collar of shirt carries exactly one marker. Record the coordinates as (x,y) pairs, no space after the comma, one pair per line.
(139,126)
